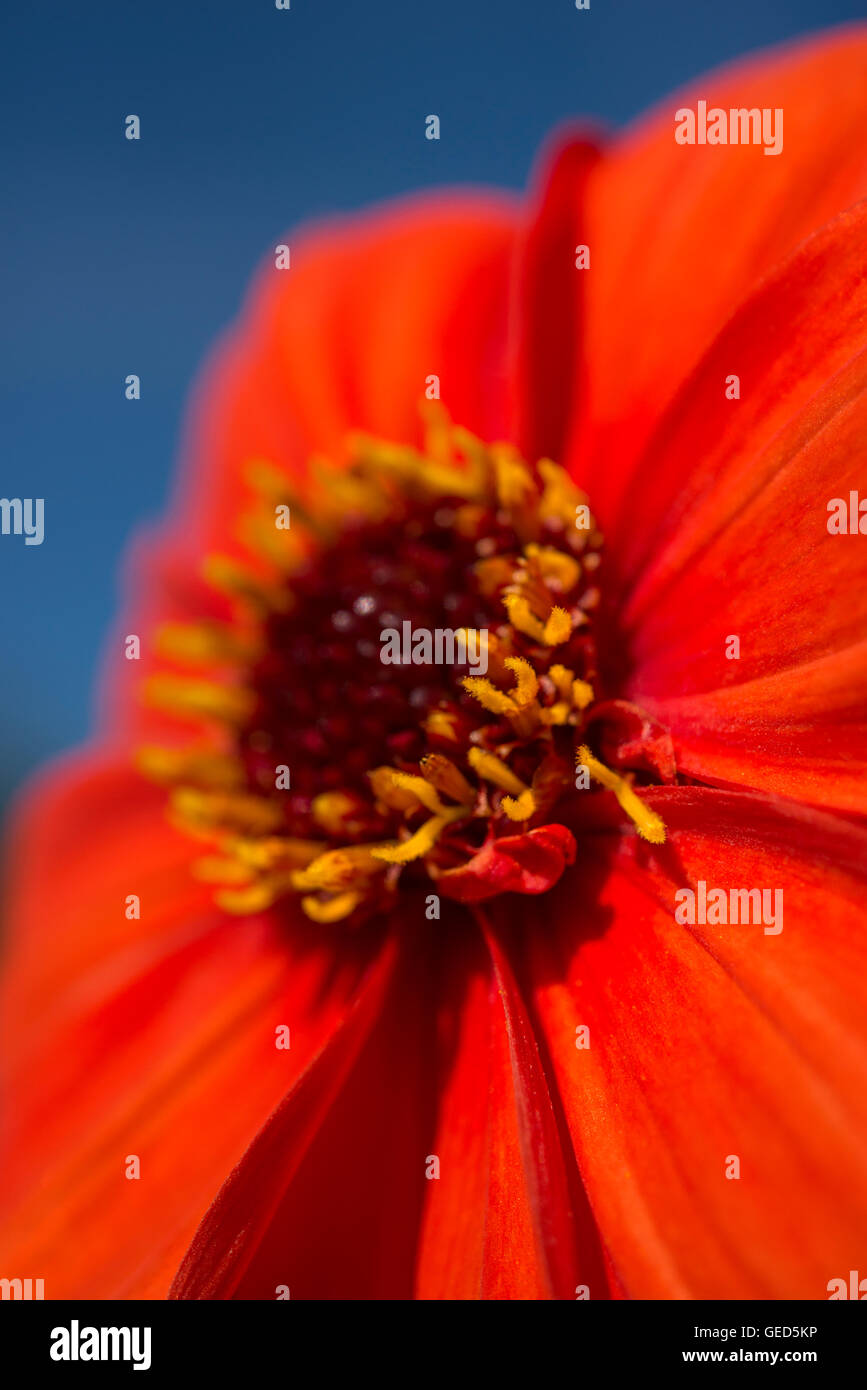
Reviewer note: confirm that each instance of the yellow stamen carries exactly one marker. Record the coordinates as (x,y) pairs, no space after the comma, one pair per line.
(424,839)
(423,790)
(582,694)
(204,643)
(336,868)
(554,565)
(649,825)
(521,808)
(493,574)
(283,549)
(560,496)
(522,618)
(558,628)
(387,791)
(278,489)
(224,810)
(276,851)
(469,516)
(562,678)
(200,699)
(414,471)
(527,683)
(239,582)
(213,869)
(442,774)
(488,696)
(477,458)
(334,909)
(493,769)
(557,713)
(258,897)
(514,481)
(332,810)
(203,766)
(269,480)
(438,434)
(349,493)
(441,724)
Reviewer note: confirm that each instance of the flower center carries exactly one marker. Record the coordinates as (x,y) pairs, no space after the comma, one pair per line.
(401,695)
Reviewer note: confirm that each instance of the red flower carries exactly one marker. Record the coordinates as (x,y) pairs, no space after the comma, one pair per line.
(552,1085)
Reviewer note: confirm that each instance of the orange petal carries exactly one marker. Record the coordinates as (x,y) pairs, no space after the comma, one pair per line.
(708,1042)
(734,543)
(153,1037)
(327,1198)
(679,235)
(345,340)
(505,1218)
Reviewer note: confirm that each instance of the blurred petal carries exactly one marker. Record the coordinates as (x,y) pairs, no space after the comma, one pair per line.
(345,340)
(680,235)
(548,313)
(153,1038)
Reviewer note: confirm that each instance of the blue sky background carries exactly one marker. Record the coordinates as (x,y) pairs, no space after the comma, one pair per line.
(120,257)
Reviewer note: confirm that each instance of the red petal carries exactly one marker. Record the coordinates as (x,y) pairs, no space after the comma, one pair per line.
(232,1232)
(505,1218)
(528,863)
(153,1037)
(680,235)
(707,1042)
(343,341)
(346,339)
(548,311)
(742,549)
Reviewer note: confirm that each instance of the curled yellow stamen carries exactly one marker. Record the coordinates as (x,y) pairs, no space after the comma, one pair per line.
(422,790)
(334,909)
(497,701)
(564,570)
(419,844)
(649,825)
(527,683)
(519,808)
(258,897)
(386,790)
(336,868)
(522,618)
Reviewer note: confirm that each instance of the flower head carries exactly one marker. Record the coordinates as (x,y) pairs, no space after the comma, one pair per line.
(387,766)
(453,974)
